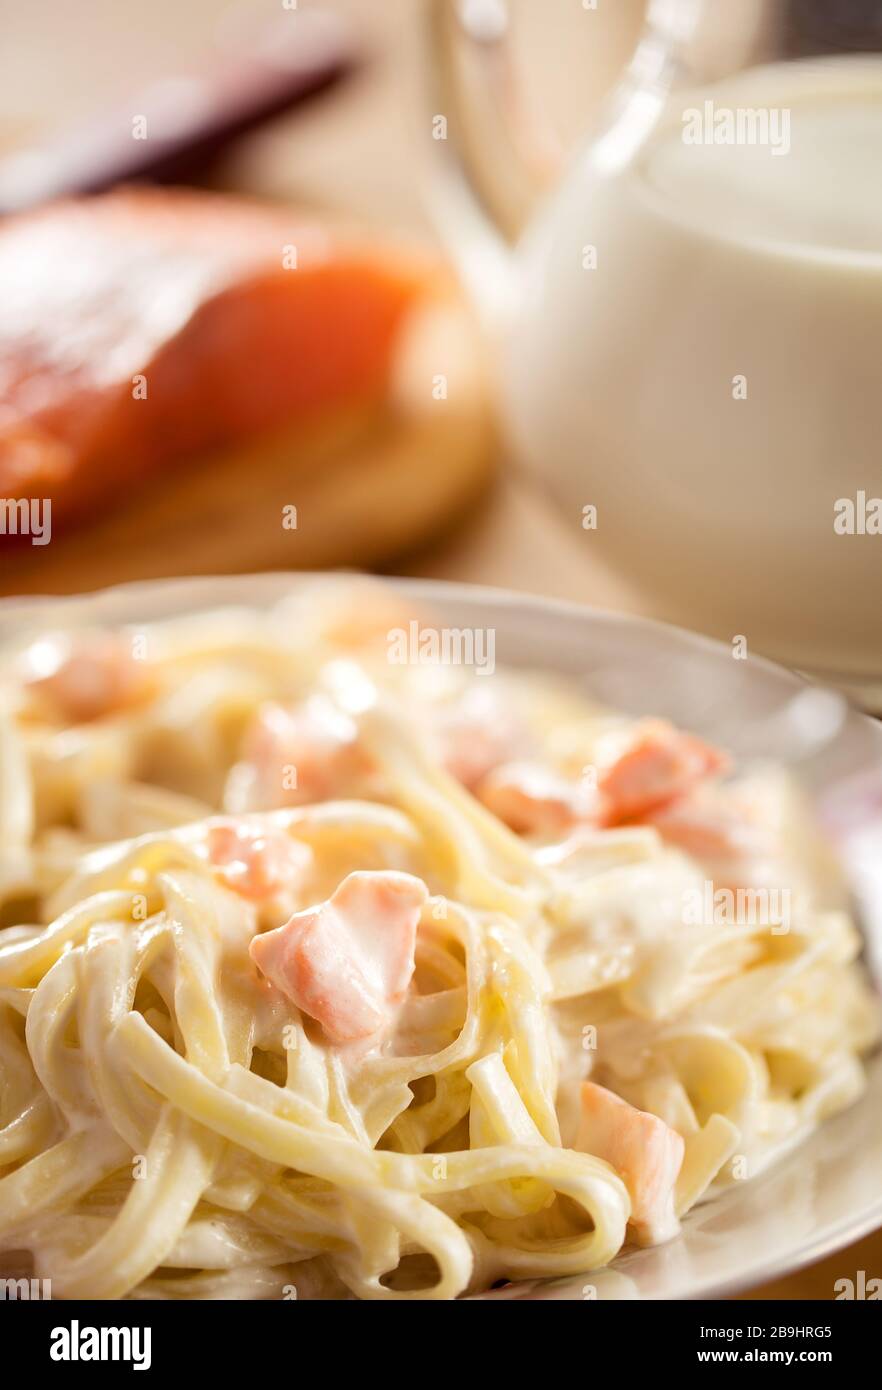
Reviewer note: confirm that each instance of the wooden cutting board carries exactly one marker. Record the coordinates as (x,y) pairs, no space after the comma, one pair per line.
(352,491)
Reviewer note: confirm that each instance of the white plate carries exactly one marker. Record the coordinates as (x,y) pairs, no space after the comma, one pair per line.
(826,1193)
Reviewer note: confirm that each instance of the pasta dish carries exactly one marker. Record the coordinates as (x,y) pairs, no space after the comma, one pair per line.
(330,971)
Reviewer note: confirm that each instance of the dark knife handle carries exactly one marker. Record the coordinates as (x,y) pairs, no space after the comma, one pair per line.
(171,130)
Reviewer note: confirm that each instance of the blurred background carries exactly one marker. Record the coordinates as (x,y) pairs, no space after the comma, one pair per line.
(419,490)
(361,151)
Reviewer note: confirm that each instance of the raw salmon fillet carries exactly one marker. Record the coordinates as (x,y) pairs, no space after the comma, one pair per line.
(151,326)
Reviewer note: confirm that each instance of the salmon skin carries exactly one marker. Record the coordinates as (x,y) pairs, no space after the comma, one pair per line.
(147,327)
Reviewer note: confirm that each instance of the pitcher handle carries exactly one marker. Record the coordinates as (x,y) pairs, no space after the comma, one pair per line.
(494,153)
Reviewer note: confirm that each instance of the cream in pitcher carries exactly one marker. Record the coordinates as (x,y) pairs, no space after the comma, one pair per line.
(696,351)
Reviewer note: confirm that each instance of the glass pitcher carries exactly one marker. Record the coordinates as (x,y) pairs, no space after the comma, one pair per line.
(689,310)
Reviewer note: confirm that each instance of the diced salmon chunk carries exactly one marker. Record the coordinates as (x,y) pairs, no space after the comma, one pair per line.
(99,676)
(361,614)
(638,772)
(348,962)
(256,862)
(302,754)
(645,1152)
(478,733)
(657,764)
(535,800)
(709,831)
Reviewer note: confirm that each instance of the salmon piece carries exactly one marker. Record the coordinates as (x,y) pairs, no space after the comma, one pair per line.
(256,862)
(98,676)
(185,296)
(478,733)
(645,1152)
(709,831)
(652,766)
(535,800)
(302,754)
(657,764)
(361,614)
(348,962)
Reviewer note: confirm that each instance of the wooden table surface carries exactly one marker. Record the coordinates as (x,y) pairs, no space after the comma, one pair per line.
(361,152)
